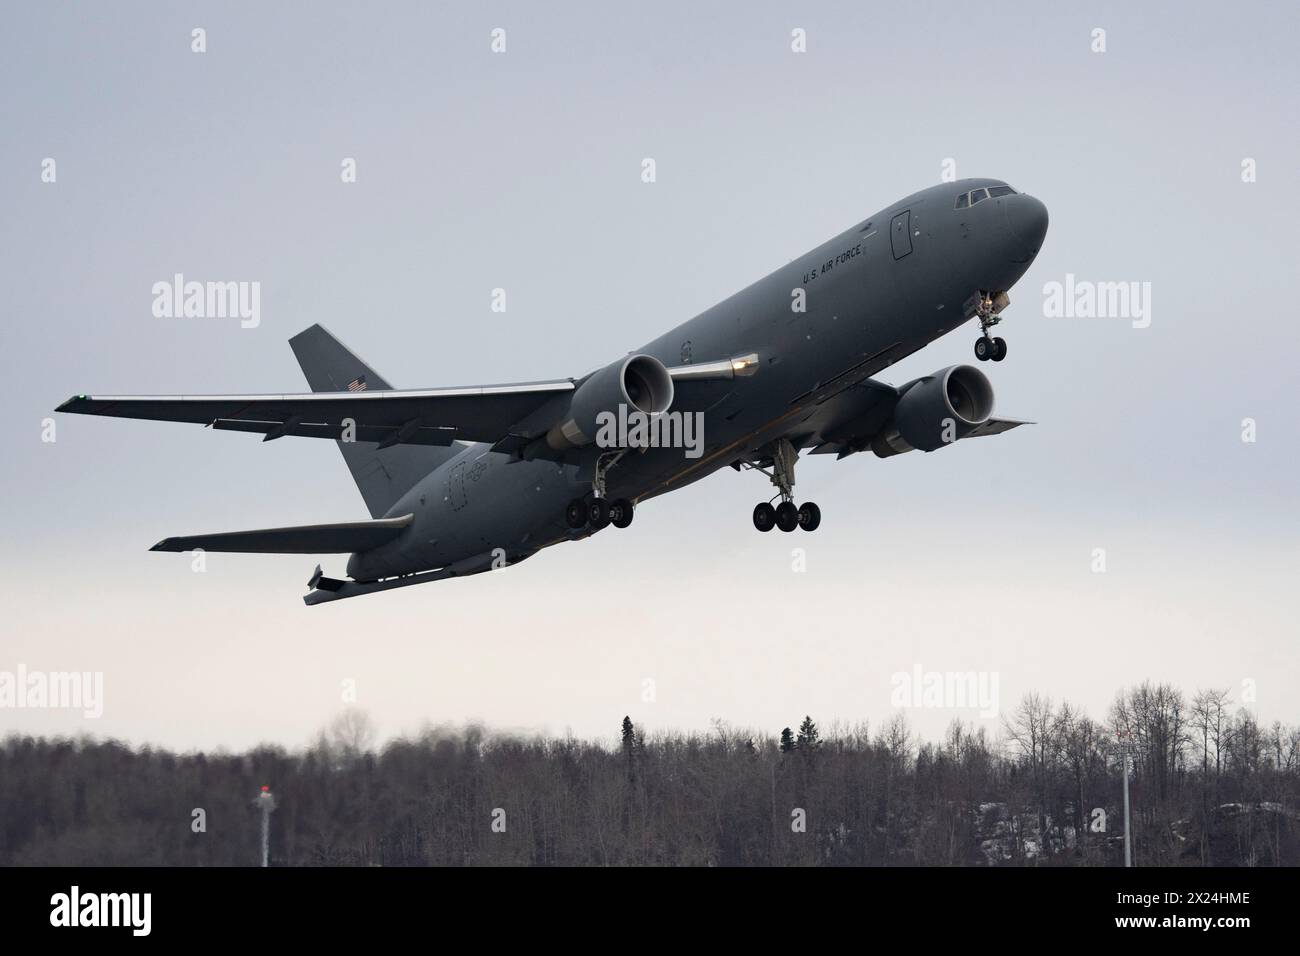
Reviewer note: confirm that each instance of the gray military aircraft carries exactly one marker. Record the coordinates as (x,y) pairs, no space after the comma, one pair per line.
(462,480)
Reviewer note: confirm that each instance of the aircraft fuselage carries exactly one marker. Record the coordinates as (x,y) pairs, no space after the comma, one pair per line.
(839,313)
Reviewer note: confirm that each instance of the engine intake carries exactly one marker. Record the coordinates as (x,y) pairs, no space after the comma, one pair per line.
(936,410)
(639,382)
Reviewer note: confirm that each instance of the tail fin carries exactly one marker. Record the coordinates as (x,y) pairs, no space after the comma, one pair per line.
(382,476)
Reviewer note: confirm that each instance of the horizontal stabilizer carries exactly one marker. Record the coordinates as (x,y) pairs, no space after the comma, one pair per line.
(339,538)
(330,589)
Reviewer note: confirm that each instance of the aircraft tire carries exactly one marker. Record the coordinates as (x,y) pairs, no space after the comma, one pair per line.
(787,516)
(575,514)
(620,513)
(598,513)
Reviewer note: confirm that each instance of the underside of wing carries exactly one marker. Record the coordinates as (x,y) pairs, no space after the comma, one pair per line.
(415,416)
(861,410)
(339,538)
(856,418)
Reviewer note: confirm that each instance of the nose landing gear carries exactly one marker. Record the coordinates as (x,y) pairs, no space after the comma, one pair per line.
(990,348)
(989,315)
(786,516)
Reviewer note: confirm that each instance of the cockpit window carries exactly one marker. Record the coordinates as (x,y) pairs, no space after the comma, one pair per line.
(977,195)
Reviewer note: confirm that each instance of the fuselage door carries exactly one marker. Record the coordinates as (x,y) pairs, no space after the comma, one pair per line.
(900,234)
(456,486)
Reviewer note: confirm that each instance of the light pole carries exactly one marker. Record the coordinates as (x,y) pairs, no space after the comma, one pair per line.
(1126,748)
(266,803)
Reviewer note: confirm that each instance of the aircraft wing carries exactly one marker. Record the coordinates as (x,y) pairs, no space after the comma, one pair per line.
(338,538)
(436,416)
(509,416)
(995,426)
(846,422)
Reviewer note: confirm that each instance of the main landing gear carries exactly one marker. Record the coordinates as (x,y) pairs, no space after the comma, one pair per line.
(786,515)
(598,511)
(987,347)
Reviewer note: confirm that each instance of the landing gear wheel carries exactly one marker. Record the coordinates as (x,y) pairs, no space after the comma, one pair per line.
(810,516)
(575,514)
(620,513)
(983,349)
(782,455)
(999,349)
(598,513)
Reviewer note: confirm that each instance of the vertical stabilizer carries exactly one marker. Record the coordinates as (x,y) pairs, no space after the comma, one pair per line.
(382,476)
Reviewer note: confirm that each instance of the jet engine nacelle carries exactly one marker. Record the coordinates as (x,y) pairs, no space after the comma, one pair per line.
(936,410)
(638,382)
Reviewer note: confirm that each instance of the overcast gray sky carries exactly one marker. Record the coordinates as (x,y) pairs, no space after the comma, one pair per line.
(521,170)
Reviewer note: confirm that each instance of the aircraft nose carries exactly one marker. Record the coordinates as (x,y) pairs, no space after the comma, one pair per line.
(1027,220)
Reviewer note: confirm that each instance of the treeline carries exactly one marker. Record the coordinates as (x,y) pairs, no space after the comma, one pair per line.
(1208,785)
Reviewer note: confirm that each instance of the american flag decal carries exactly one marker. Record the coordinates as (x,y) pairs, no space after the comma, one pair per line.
(358,384)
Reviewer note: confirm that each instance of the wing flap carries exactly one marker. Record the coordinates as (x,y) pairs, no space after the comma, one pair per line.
(337,538)
(421,435)
(996,426)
